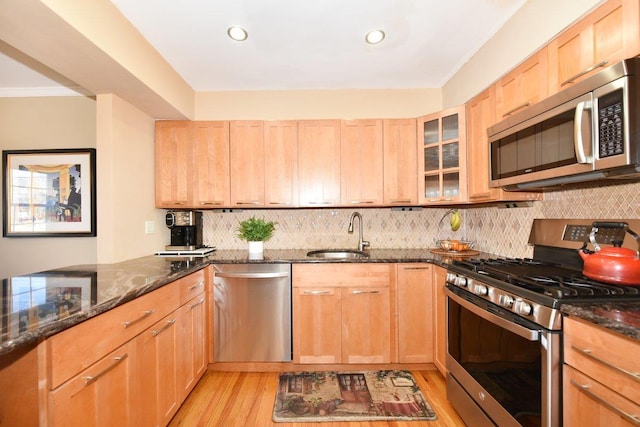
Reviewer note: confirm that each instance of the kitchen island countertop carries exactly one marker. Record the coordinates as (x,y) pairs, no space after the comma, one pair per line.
(39,305)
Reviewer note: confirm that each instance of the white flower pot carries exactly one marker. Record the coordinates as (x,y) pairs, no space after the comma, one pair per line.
(256,247)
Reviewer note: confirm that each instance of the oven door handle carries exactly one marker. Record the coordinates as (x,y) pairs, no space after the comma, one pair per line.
(526,333)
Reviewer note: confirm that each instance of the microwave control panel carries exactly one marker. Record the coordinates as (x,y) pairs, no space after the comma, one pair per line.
(610,124)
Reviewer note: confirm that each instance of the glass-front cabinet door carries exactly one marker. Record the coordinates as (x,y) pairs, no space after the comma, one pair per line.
(442,163)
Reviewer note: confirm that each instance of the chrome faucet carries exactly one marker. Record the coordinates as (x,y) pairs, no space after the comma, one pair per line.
(361,243)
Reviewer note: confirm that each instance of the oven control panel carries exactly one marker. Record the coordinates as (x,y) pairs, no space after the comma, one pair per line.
(580,233)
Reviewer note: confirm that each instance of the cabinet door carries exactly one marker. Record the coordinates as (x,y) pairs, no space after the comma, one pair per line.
(361,163)
(442,157)
(281,164)
(400,162)
(415,316)
(317,325)
(319,162)
(192,357)
(366,327)
(211,150)
(173,164)
(103,395)
(440,319)
(607,35)
(157,348)
(527,84)
(247,158)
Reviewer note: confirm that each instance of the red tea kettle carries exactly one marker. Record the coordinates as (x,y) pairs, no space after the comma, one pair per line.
(616,265)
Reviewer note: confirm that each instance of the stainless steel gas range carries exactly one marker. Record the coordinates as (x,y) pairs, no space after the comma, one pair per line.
(504,325)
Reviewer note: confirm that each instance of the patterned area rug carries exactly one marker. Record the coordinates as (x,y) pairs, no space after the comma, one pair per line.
(350,396)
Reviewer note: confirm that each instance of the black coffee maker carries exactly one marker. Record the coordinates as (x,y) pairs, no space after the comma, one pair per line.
(186,230)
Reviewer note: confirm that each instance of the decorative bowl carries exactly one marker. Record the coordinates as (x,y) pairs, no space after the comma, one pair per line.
(455,245)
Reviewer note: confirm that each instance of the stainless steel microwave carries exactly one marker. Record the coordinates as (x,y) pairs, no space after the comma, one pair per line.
(587,132)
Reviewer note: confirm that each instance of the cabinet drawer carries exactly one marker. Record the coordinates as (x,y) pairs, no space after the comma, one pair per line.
(75,349)
(594,405)
(192,285)
(341,275)
(605,356)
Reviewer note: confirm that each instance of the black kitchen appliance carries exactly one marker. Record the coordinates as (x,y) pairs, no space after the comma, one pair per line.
(504,325)
(186,230)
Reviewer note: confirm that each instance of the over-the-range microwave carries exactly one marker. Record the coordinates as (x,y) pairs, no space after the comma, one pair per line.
(587,132)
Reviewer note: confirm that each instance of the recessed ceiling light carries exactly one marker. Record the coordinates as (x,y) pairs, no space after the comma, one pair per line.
(237,33)
(374,37)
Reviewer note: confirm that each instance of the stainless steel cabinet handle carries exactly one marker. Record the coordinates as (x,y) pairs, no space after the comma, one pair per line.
(197,285)
(632,418)
(587,71)
(354,202)
(281,203)
(146,313)
(194,305)
(314,202)
(358,292)
(514,109)
(416,268)
(401,201)
(215,202)
(316,292)
(248,202)
(93,378)
(167,325)
(252,275)
(588,354)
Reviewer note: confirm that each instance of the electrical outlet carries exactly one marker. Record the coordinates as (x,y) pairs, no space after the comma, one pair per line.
(149,227)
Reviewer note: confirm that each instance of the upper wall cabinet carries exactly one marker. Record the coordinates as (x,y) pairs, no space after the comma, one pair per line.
(281,164)
(361,163)
(174,165)
(247,156)
(441,157)
(607,35)
(211,150)
(400,158)
(319,162)
(523,86)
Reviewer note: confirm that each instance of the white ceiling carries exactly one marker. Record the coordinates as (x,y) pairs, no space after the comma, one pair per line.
(298,44)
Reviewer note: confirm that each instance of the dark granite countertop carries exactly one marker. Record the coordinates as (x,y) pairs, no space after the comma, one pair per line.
(623,318)
(36,306)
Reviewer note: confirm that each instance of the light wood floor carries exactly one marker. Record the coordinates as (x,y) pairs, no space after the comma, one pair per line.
(245,399)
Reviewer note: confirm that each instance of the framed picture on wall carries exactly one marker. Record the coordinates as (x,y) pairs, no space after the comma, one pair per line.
(49,193)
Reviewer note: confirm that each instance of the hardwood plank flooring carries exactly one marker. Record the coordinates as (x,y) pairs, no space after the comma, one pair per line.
(245,399)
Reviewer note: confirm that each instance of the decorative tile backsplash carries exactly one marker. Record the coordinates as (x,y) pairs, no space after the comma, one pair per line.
(503,231)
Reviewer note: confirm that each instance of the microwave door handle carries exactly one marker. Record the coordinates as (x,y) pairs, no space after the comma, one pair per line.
(578,140)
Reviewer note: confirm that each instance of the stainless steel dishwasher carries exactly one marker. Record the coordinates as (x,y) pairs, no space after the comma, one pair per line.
(252,313)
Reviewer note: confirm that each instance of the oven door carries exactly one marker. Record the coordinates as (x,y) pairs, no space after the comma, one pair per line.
(500,366)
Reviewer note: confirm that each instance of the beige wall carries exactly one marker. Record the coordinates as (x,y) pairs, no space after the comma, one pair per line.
(46,123)
(317,104)
(126,182)
(536,23)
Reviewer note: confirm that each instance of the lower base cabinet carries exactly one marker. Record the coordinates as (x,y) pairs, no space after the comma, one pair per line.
(144,381)
(415,314)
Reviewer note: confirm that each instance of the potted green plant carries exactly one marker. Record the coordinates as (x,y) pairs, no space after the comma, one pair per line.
(256,231)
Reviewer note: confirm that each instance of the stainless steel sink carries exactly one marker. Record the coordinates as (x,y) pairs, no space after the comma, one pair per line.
(337,253)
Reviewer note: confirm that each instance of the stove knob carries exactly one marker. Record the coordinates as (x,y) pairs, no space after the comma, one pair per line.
(523,308)
(506,301)
(461,281)
(451,278)
(480,290)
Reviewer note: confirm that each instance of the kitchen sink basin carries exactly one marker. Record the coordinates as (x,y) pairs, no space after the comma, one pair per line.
(337,253)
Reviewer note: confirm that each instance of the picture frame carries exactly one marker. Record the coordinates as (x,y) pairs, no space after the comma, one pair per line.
(49,193)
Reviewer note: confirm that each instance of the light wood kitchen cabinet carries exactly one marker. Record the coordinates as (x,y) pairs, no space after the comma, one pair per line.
(400,158)
(440,319)
(601,375)
(607,35)
(173,164)
(192,341)
(247,155)
(335,308)
(319,162)
(481,114)
(103,395)
(158,369)
(281,164)
(212,180)
(525,85)
(442,176)
(414,305)
(361,174)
